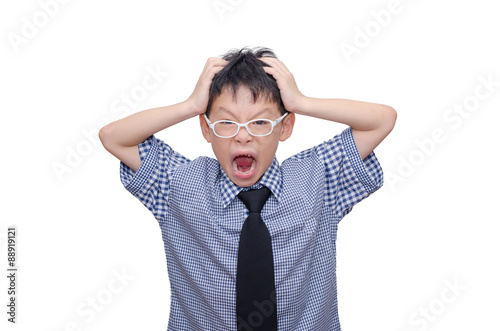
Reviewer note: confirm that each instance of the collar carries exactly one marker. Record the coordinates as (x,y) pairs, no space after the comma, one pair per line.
(271,179)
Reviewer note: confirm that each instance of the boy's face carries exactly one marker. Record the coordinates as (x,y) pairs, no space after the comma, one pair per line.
(232,153)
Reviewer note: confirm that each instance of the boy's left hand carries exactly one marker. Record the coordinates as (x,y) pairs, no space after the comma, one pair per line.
(290,94)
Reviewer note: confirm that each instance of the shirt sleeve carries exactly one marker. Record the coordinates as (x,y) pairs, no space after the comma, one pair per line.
(151,183)
(349,179)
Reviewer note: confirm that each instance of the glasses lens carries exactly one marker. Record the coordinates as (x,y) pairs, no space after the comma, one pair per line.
(260,127)
(225,129)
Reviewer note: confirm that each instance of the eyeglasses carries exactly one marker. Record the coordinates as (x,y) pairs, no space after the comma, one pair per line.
(257,127)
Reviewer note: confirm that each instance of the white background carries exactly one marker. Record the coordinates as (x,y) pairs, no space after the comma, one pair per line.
(420,254)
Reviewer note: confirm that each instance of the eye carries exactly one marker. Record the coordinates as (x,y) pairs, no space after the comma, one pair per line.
(260,122)
(225,122)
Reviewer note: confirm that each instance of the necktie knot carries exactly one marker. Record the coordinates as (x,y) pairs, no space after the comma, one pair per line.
(255,200)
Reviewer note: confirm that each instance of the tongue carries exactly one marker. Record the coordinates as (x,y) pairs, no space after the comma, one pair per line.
(244,163)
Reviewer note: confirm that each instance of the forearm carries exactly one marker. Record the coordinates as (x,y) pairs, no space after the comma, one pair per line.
(122,137)
(370,122)
(359,115)
(134,129)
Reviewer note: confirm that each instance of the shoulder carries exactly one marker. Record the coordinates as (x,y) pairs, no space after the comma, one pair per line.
(202,169)
(327,149)
(161,162)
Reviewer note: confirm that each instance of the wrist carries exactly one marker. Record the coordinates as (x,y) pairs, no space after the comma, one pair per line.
(300,105)
(192,109)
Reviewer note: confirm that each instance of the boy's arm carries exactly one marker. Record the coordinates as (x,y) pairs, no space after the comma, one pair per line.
(122,137)
(370,122)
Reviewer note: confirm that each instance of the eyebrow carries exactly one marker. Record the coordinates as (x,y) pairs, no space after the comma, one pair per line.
(222,109)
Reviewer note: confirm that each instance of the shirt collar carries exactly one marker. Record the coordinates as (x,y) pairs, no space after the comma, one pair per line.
(271,179)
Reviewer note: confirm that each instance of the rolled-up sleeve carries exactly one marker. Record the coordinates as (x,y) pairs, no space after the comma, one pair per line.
(349,179)
(151,182)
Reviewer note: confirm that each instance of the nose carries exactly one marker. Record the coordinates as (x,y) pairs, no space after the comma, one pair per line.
(243,136)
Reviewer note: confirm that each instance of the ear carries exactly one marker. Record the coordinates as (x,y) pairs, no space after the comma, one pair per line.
(205,129)
(287,127)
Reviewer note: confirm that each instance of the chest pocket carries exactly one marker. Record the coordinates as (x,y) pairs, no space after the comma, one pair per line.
(310,225)
(296,218)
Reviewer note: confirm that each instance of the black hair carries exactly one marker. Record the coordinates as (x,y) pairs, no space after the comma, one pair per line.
(245,69)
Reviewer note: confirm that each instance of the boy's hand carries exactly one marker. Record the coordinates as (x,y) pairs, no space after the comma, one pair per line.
(290,95)
(370,122)
(199,98)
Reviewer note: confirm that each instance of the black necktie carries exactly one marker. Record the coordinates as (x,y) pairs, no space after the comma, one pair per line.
(255,289)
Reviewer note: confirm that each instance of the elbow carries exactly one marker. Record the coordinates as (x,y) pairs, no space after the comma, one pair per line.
(390,116)
(105,135)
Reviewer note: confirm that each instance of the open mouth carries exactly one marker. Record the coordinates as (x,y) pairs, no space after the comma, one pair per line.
(244,166)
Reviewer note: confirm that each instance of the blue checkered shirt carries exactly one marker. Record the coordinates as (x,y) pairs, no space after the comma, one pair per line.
(200,220)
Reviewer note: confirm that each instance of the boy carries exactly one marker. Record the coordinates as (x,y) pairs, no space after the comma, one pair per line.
(246,103)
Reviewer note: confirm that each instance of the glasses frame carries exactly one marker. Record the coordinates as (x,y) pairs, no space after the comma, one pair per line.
(245,125)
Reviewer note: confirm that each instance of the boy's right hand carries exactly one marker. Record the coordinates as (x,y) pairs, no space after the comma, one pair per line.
(122,137)
(198,100)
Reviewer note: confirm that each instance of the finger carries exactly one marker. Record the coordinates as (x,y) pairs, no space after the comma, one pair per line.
(270,70)
(273,72)
(278,65)
(215,62)
(272,61)
(281,67)
(212,67)
(208,75)
(268,60)
(214,70)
